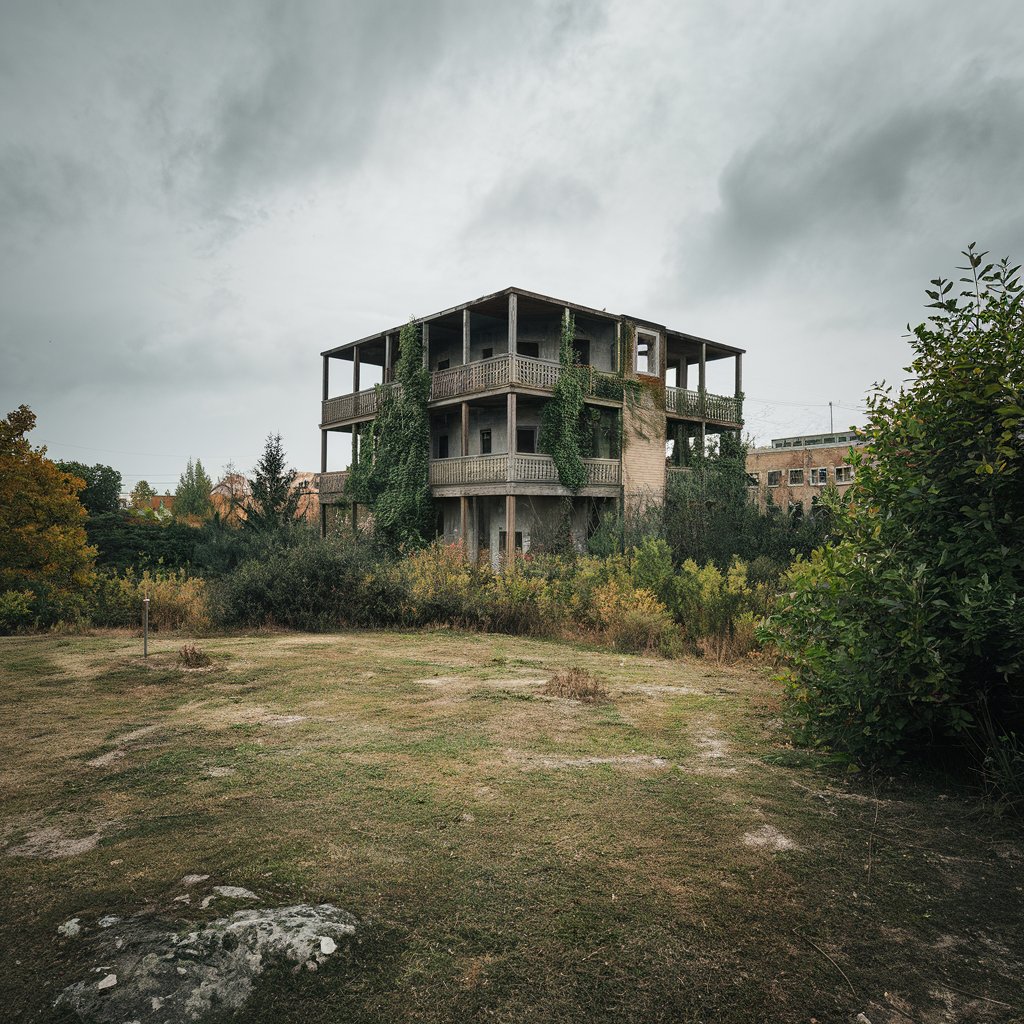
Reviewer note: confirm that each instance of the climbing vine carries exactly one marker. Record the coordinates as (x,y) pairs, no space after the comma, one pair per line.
(564,425)
(392,473)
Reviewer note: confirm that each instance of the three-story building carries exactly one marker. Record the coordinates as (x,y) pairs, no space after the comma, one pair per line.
(494,362)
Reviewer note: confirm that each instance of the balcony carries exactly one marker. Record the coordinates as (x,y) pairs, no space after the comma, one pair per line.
(703,406)
(332,487)
(524,469)
(362,405)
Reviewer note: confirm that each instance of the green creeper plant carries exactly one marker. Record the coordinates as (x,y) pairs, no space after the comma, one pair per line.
(564,429)
(392,474)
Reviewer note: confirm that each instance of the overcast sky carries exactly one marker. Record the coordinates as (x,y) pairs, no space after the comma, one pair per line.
(197,198)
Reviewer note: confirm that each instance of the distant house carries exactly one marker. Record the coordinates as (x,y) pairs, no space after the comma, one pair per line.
(791,472)
(232,495)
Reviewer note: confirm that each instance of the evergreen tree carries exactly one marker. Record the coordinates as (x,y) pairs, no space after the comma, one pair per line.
(142,495)
(192,496)
(274,501)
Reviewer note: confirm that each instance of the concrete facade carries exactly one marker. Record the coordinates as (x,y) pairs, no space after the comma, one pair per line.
(494,362)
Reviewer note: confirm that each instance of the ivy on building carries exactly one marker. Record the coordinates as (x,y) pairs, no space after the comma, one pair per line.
(565,429)
(391,474)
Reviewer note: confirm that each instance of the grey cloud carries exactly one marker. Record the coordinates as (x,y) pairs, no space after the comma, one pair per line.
(537,198)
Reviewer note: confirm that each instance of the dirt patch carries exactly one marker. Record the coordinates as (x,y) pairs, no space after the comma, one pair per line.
(53,842)
(121,746)
(145,968)
(768,837)
(534,762)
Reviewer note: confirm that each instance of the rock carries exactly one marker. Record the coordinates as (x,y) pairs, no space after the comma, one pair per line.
(235,892)
(198,973)
(108,922)
(71,928)
(194,879)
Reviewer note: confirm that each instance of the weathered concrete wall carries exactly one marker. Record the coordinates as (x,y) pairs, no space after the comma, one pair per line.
(643,431)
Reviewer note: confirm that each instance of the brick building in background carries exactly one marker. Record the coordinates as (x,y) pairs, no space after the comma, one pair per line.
(793,471)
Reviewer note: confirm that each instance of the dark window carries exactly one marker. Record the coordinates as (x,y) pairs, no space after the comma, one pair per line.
(796,477)
(487,353)
(443,364)
(774,477)
(581,348)
(528,348)
(753,479)
(485,442)
(502,535)
(442,446)
(526,440)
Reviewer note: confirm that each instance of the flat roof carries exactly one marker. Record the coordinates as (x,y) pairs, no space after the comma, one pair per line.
(491,299)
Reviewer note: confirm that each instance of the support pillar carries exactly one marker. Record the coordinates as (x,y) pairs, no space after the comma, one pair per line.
(513,325)
(510,529)
(465,336)
(464,524)
(426,346)
(510,427)
(702,380)
(355,369)
(389,370)
(327,377)
(465,429)
(474,537)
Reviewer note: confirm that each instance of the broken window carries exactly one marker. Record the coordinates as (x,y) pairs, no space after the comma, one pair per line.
(796,477)
(774,477)
(526,440)
(844,474)
(819,476)
(646,352)
(485,442)
(753,479)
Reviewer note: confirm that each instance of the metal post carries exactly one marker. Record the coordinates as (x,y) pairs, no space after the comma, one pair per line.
(145,626)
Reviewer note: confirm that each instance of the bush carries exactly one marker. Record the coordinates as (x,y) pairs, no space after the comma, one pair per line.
(517,603)
(313,587)
(634,620)
(442,586)
(575,684)
(191,656)
(16,611)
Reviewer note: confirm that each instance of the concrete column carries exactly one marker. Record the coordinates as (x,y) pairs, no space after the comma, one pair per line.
(465,336)
(513,326)
(355,443)
(426,346)
(684,366)
(355,369)
(510,529)
(323,451)
(327,377)
(739,375)
(463,523)
(510,427)
(702,379)
(465,429)
(388,368)
(473,547)
(617,356)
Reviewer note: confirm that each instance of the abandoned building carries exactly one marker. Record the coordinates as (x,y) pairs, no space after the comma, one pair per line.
(791,472)
(494,362)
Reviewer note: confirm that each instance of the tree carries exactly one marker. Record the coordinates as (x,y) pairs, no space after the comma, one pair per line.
(43,550)
(102,486)
(192,496)
(392,474)
(908,631)
(142,495)
(273,502)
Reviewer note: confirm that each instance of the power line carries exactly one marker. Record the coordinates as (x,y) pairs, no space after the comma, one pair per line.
(149,455)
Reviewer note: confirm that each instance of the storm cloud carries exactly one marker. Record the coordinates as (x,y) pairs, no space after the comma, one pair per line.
(196,199)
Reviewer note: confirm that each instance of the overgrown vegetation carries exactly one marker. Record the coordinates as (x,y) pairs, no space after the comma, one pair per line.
(576,684)
(392,472)
(563,421)
(906,635)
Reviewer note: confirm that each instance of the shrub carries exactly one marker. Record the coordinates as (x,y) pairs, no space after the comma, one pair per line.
(517,603)
(176,601)
(442,586)
(634,620)
(115,600)
(16,611)
(191,656)
(575,684)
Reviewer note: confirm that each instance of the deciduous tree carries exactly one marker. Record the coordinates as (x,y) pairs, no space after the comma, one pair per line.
(102,486)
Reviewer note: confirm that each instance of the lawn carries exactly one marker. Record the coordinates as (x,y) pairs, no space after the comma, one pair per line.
(665,855)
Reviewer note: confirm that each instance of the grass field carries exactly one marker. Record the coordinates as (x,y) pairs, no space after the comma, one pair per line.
(662,856)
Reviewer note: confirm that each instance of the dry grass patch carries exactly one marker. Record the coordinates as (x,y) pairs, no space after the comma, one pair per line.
(191,656)
(576,684)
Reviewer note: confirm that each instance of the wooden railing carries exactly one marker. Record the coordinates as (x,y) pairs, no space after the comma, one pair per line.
(332,486)
(500,372)
(704,406)
(492,469)
(359,405)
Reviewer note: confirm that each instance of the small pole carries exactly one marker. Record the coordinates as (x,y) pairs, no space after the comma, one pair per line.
(831,428)
(145,626)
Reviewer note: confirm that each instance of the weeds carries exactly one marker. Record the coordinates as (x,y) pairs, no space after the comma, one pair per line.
(191,656)
(576,684)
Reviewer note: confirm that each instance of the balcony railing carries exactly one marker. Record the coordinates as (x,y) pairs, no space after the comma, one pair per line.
(332,486)
(359,405)
(493,469)
(704,406)
(500,372)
